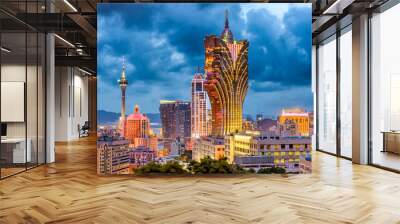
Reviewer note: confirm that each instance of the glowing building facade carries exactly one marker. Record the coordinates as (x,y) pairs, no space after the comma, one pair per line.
(211,146)
(198,107)
(138,132)
(123,83)
(294,122)
(226,79)
(257,149)
(137,125)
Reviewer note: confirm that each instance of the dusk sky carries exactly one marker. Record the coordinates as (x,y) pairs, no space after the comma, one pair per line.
(163,45)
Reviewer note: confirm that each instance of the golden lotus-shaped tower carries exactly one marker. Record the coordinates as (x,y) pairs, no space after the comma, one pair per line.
(226,80)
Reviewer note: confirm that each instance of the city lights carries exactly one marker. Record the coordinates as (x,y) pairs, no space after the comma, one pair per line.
(191,130)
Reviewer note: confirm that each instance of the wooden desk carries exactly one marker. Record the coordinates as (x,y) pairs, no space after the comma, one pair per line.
(13,150)
(391,141)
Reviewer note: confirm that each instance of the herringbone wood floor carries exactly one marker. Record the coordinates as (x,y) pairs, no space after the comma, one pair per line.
(69,191)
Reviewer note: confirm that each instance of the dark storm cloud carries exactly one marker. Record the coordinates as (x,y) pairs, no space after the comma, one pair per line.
(163,43)
(280,55)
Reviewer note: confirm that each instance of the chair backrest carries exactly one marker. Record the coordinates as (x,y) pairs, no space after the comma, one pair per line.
(86,125)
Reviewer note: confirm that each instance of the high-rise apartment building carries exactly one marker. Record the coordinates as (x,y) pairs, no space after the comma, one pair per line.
(175,118)
(226,79)
(198,107)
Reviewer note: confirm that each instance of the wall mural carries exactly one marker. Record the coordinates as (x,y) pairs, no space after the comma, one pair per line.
(204,88)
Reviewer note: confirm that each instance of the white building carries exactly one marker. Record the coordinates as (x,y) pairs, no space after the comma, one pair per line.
(198,110)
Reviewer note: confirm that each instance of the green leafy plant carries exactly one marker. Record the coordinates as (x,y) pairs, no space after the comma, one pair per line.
(154,167)
(172,167)
(251,170)
(208,165)
(278,170)
(270,170)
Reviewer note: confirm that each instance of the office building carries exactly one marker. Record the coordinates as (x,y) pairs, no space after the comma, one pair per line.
(168,119)
(226,79)
(199,109)
(175,118)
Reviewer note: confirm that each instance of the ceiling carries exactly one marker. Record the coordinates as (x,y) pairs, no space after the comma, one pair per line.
(75,22)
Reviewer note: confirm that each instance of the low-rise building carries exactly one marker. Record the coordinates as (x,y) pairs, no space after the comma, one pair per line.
(112,155)
(208,146)
(254,161)
(294,122)
(248,148)
(140,156)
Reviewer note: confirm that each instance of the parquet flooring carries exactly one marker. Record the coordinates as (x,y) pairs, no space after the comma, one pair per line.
(69,191)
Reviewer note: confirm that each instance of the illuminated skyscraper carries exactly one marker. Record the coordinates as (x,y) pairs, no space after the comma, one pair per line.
(175,118)
(226,79)
(123,83)
(198,110)
(137,125)
(138,132)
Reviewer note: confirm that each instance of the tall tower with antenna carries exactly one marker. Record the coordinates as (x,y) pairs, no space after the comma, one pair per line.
(123,83)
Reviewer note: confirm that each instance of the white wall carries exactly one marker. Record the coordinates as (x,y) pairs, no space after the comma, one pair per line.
(33,126)
(71,103)
(12,73)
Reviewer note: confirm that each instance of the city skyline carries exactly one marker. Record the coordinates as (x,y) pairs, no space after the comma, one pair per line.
(144,90)
(189,130)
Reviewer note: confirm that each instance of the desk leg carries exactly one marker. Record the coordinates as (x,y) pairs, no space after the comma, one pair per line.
(384,142)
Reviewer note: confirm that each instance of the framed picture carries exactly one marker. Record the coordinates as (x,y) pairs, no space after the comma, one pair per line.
(204,88)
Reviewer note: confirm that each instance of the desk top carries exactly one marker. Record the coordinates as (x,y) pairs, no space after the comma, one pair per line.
(391,132)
